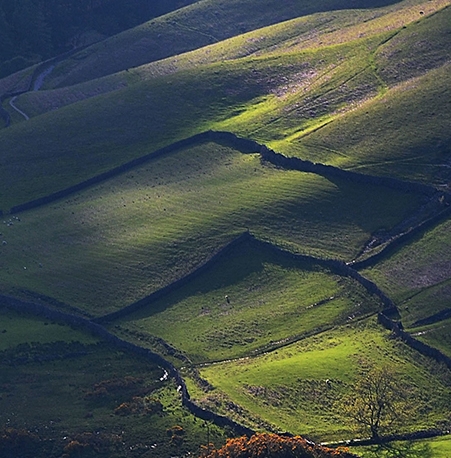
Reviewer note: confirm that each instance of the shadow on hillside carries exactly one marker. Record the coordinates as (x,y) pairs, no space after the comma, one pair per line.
(245,263)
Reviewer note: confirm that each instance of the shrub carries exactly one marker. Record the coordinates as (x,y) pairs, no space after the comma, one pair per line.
(274,446)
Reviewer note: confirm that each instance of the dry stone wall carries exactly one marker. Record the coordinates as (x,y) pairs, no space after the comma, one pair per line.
(99,331)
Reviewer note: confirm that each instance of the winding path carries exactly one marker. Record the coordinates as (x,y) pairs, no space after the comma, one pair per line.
(36,86)
(11,104)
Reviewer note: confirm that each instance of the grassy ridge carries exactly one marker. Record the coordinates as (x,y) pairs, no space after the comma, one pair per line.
(277,99)
(419,48)
(181,31)
(155,223)
(328,87)
(286,37)
(383,138)
(112,129)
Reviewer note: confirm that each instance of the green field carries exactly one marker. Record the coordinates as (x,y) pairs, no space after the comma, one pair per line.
(49,388)
(160,221)
(435,448)
(288,388)
(417,276)
(279,98)
(17,329)
(251,299)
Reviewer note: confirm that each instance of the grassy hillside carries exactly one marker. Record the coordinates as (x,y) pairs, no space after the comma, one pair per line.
(252,299)
(280,99)
(417,276)
(440,447)
(400,134)
(110,130)
(362,86)
(285,37)
(182,31)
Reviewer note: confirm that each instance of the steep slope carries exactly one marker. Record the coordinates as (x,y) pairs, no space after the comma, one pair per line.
(403,133)
(197,25)
(307,32)
(327,87)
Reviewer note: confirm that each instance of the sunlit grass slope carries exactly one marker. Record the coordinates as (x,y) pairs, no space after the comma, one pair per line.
(17,329)
(192,27)
(65,147)
(118,241)
(300,388)
(49,388)
(402,134)
(438,447)
(416,49)
(260,42)
(254,298)
(307,32)
(278,99)
(296,89)
(437,335)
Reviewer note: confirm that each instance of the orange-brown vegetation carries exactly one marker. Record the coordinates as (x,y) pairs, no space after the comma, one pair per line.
(274,446)
(139,406)
(176,432)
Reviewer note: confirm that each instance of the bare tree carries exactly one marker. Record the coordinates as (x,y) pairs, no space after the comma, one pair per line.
(379,403)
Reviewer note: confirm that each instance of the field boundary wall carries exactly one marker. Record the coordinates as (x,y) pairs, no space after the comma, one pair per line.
(245,146)
(175,284)
(336,266)
(397,328)
(99,331)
